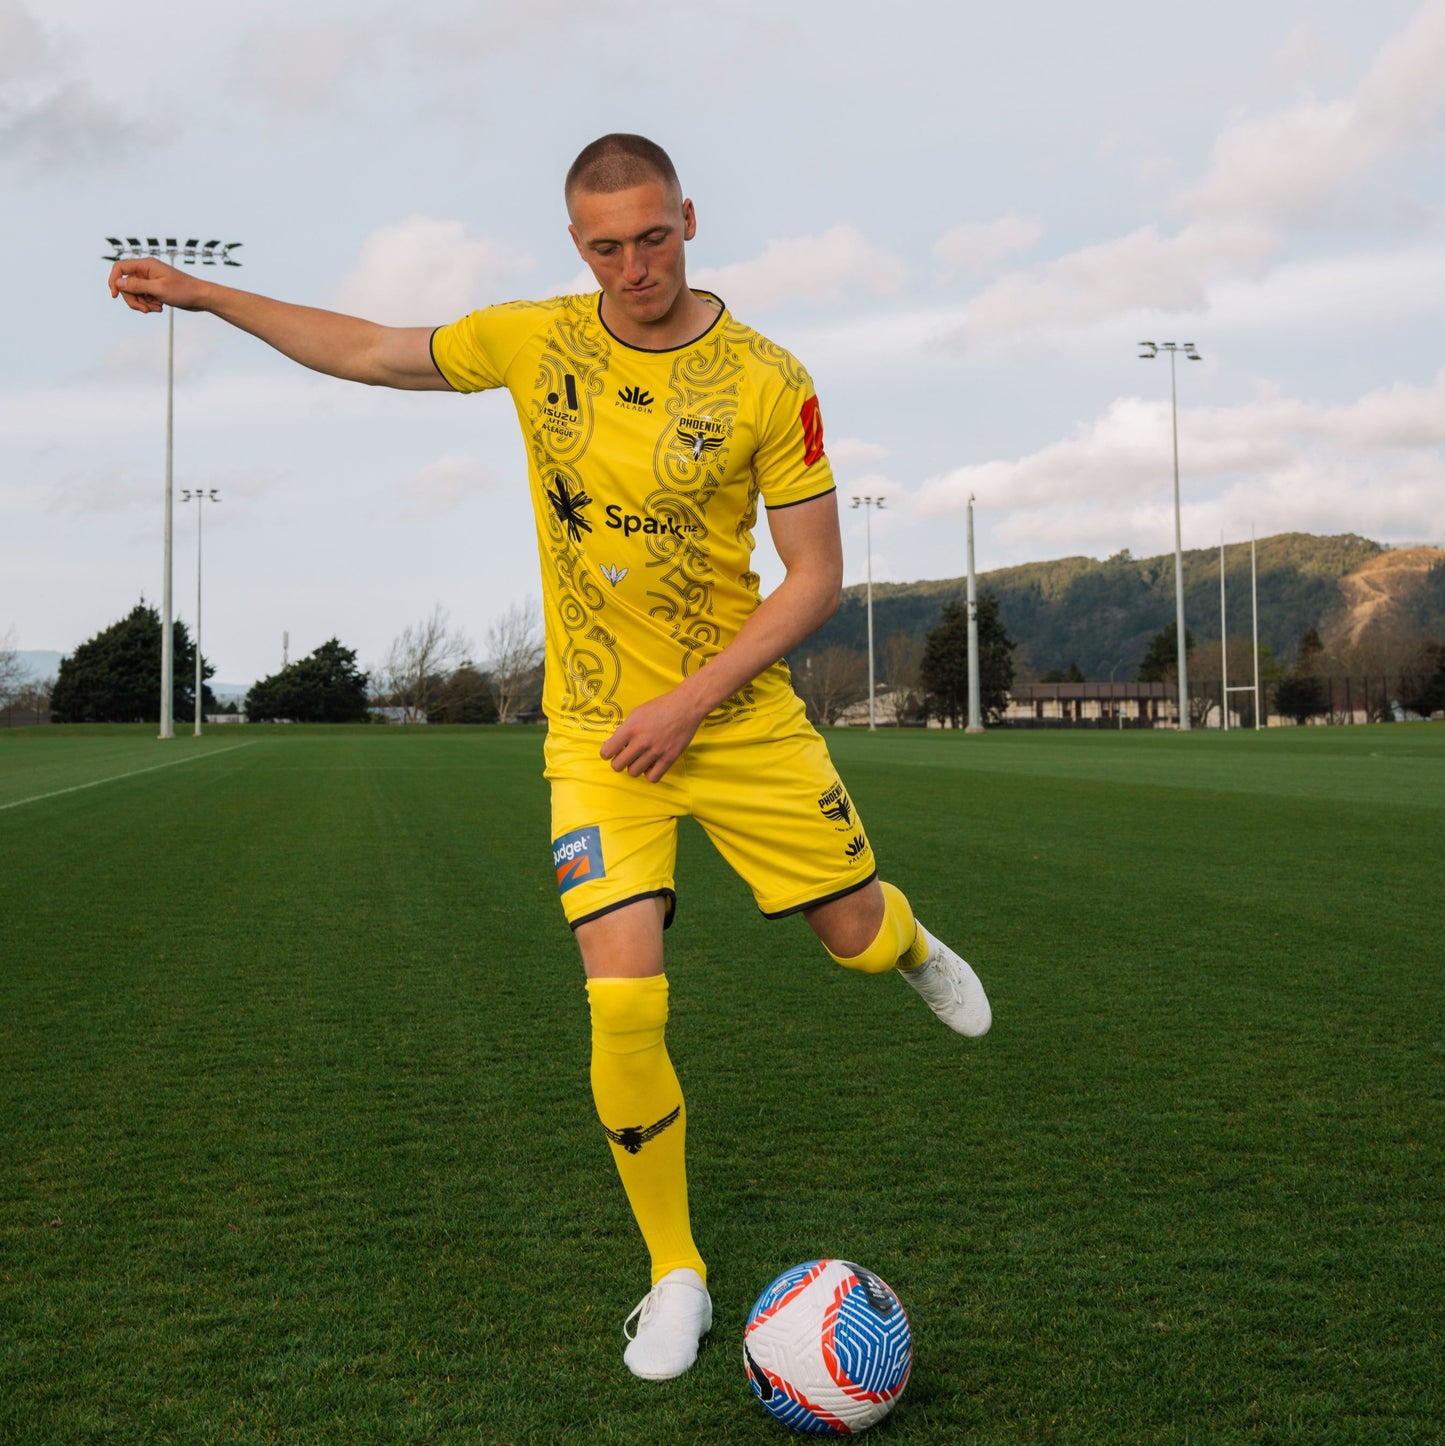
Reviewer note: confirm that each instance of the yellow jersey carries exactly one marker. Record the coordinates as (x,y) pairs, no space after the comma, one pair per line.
(645,470)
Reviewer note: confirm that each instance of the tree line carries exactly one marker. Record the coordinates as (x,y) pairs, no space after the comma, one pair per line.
(428,674)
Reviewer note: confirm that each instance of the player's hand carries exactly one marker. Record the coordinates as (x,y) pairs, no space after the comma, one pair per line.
(652,737)
(147,284)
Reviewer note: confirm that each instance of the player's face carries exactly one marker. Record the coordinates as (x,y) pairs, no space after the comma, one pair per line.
(633,242)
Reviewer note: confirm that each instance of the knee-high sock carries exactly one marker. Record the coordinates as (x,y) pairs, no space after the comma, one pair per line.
(639,1102)
(899,942)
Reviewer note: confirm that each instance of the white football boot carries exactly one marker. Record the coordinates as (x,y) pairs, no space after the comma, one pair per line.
(950,989)
(671,1319)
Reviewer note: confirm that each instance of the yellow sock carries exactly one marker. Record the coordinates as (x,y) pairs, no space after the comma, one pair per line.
(639,1102)
(899,942)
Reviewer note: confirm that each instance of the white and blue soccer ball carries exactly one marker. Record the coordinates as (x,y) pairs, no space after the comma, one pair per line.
(828,1348)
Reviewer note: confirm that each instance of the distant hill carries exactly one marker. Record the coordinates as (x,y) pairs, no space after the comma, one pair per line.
(1101,615)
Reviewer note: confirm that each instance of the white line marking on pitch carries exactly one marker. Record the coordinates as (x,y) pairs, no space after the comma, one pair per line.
(116,777)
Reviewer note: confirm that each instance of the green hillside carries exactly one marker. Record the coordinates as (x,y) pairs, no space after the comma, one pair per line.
(1102,615)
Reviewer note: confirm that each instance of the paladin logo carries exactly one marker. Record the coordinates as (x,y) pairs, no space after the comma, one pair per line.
(568,506)
(614,575)
(836,805)
(857,847)
(633,1137)
(638,399)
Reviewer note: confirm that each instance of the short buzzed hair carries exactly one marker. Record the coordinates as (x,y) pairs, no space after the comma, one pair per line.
(617,162)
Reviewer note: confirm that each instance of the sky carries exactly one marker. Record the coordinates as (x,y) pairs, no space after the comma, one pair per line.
(961,218)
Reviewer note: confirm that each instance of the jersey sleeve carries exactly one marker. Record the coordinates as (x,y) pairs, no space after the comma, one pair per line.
(473,354)
(790,464)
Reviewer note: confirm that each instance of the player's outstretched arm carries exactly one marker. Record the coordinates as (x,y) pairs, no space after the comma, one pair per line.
(652,737)
(325,341)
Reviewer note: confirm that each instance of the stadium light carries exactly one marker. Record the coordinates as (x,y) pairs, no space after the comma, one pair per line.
(1148,350)
(208,254)
(975,713)
(199,497)
(868,504)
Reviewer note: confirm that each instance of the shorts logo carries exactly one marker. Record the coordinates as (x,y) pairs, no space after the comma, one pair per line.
(857,847)
(837,806)
(577,857)
(812,420)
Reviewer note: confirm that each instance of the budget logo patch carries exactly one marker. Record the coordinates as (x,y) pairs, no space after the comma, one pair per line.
(577,857)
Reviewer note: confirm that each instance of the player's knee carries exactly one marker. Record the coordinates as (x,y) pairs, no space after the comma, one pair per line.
(628,1015)
(895,935)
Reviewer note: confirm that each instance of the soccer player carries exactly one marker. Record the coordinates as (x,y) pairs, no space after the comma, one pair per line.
(655,423)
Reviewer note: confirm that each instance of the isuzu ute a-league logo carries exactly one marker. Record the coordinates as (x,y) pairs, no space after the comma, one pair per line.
(569,386)
(569,505)
(614,575)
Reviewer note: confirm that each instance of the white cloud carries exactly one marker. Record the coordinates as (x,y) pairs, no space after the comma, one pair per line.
(1291,162)
(444,485)
(1140,271)
(854,452)
(1370,464)
(981,245)
(832,267)
(422,271)
(300,68)
(49,115)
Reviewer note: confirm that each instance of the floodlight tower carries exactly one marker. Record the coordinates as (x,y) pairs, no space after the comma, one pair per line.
(975,714)
(1148,350)
(208,254)
(199,497)
(868,504)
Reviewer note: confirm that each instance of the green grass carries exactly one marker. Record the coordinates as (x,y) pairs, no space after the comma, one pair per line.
(296,1144)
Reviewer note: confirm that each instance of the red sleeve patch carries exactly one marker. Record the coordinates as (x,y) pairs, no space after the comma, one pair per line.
(812,420)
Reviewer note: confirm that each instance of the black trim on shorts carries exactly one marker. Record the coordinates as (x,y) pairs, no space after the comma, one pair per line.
(781,506)
(669,894)
(826,899)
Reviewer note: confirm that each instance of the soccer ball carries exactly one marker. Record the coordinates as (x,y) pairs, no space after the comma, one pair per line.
(828,1348)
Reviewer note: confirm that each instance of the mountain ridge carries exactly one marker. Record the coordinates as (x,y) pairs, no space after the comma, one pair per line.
(1102,613)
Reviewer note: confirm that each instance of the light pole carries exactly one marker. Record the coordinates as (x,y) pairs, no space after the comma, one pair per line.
(1148,351)
(975,717)
(868,504)
(212,496)
(208,254)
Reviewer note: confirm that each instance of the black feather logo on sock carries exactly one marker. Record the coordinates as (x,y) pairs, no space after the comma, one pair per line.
(633,1137)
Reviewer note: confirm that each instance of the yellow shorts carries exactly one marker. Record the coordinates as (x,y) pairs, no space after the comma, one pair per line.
(772,803)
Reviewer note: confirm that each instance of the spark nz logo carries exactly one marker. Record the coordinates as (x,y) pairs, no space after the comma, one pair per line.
(569,506)
(629,522)
(638,399)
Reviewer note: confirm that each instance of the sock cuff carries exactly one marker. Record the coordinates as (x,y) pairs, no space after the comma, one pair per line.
(895,937)
(628,1015)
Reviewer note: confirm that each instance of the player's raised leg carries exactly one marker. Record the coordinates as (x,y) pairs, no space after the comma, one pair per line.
(874,930)
(639,1102)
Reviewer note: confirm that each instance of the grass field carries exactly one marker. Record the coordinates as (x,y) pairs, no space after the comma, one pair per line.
(296,1144)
